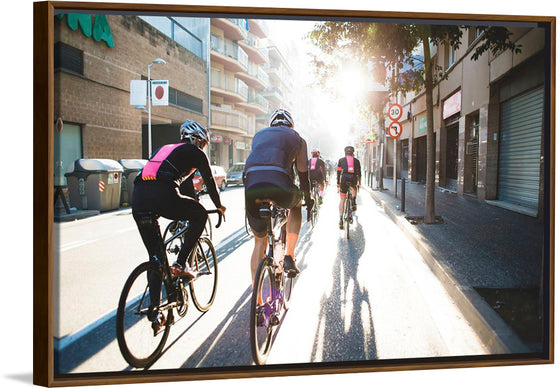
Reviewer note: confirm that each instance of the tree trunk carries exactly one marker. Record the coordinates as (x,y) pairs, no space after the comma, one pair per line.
(429,210)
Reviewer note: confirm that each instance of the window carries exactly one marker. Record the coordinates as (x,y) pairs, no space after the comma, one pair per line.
(184,100)
(68,58)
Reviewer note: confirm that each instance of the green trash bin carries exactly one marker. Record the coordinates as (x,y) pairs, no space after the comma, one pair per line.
(131,167)
(95,184)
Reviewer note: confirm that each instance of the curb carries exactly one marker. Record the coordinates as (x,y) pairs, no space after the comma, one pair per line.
(496,335)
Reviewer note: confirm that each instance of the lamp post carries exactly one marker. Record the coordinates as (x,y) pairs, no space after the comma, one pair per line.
(155,61)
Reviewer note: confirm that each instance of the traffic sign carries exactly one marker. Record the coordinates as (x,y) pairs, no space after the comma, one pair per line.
(160,92)
(395,112)
(395,130)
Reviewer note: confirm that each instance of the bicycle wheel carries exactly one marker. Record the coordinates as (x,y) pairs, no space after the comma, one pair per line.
(137,342)
(208,228)
(347,213)
(261,326)
(205,264)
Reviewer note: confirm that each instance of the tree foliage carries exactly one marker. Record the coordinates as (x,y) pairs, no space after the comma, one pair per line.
(392,49)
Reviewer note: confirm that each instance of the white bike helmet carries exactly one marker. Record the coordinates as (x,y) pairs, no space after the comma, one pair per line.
(281,117)
(191,130)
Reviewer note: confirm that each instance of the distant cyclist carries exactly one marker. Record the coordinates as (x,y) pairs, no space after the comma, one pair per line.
(269,175)
(318,172)
(156,193)
(348,177)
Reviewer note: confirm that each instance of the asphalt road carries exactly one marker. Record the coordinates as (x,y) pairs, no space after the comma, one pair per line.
(369,297)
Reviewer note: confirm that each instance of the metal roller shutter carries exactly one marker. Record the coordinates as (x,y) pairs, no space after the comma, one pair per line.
(520,149)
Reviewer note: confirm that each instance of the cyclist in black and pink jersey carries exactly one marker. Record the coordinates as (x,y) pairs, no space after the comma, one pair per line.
(348,176)
(157,192)
(318,172)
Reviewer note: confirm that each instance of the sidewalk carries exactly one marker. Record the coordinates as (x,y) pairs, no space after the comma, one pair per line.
(487,257)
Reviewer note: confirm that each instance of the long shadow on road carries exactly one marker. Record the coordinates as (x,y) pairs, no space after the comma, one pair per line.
(345,326)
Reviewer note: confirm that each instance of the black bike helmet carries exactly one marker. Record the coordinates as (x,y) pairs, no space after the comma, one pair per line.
(281,117)
(191,130)
(349,150)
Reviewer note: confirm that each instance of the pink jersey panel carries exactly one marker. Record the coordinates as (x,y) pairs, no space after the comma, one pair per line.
(150,170)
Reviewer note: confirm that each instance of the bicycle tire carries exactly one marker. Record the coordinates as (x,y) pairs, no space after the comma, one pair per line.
(134,330)
(261,334)
(205,263)
(347,213)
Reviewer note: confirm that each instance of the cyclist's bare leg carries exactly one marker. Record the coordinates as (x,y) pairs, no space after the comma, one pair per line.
(259,252)
(293,226)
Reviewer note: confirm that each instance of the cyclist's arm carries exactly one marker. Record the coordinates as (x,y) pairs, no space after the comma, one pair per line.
(206,173)
(358,172)
(187,187)
(338,173)
(302,167)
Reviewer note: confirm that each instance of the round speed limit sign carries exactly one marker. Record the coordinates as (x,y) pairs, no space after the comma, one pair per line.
(395,130)
(395,112)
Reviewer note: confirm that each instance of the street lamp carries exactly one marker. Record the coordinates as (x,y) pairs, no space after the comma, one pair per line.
(155,61)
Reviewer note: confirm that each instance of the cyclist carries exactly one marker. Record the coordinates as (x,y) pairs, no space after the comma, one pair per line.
(317,172)
(348,176)
(156,193)
(269,175)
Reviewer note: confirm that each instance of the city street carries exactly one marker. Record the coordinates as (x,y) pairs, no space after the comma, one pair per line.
(366,298)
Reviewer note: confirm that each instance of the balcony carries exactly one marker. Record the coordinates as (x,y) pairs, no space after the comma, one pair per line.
(231,89)
(234,29)
(255,104)
(229,54)
(250,45)
(274,95)
(230,121)
(255,77)
(258,27)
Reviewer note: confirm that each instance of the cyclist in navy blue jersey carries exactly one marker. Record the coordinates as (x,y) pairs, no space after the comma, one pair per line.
(278,154)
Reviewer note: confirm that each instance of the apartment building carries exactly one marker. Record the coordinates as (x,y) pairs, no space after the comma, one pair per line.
(489,123)
(236,80)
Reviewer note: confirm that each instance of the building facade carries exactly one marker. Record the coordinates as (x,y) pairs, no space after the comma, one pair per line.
(92,85)
(236,81)
(488,124)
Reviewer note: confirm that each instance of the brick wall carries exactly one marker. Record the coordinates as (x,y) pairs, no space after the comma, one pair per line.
(99,100)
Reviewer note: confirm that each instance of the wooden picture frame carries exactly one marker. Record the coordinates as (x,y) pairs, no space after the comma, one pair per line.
(45,122)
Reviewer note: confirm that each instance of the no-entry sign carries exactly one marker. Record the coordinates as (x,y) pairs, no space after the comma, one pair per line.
(395,130)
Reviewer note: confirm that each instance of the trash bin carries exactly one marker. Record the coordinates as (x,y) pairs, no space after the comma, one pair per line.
(95,184)
(131,168)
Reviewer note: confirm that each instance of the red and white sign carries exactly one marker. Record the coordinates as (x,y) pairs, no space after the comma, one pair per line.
(160,92)
(395,112)
(101,186)
(395,130)
(452,105)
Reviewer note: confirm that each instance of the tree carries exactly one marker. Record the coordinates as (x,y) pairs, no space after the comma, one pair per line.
(395,46)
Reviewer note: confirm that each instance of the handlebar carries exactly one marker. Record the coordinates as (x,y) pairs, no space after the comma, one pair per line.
(219,216)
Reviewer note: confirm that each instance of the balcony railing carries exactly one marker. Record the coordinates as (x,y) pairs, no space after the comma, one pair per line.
(230,49)
(230,120)
(229,84)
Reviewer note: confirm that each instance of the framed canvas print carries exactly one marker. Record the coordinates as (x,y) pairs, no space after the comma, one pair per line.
(234,192)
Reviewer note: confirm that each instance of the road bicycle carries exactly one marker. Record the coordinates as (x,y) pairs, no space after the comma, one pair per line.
(139,343)
(272,289)
(348,213)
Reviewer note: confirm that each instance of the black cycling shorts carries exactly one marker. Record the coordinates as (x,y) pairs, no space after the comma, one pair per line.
(346,183)
(316,175)
(268,185)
